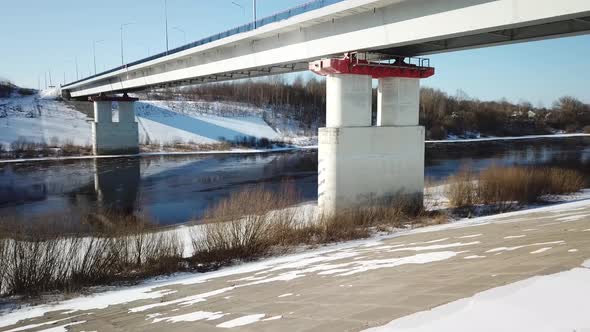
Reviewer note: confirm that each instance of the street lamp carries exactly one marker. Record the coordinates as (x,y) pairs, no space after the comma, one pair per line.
(166,21)
(237,4)
(94,42)
(244,10)
(183,32)
(122,26)
(254,12)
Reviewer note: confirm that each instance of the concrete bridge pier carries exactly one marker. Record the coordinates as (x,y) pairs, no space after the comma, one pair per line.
(113,138)
(361,164)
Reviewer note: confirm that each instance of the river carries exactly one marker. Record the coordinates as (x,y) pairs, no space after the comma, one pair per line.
(174,189)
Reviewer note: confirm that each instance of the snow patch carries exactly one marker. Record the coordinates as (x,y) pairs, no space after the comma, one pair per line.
(514,237)
(500,249)
(514,307)
(191,317)
(469,236)
(436,247)
(541,250)
(245,320)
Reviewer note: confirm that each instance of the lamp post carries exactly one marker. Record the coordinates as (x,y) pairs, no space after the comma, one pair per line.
(183,33)
(237,4)
(94,42)
(122,56)
(254,12)
(166,22)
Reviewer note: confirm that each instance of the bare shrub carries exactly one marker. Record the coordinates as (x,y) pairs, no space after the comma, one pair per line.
(35,260)
(34,264)
(255,222)
(462,191)
(68,148)
(54,142)
(240,227)
(145,250)
(23,148)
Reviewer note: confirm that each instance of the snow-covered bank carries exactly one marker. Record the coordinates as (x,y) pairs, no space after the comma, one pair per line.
(300,264)
(199,122)
(543,303)
(155,154)
(37,119)
(507,138)
(45,118)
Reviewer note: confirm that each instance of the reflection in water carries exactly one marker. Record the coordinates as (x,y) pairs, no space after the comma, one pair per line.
(174,189)
(116,188)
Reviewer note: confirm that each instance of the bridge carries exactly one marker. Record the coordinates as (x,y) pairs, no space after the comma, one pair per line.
(351,42)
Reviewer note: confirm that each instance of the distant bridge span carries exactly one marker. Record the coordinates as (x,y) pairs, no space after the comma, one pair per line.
(288,41)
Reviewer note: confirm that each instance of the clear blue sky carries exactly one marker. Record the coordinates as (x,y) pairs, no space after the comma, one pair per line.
(39,36)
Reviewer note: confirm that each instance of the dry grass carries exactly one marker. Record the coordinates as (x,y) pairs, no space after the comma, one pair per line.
(180,146)
(241,226)
(463,189)
(23,148)
(508,187)
(37,260)
(256,223)
(68,148)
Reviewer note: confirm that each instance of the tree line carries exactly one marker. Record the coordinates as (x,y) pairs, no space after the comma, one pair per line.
(442,114)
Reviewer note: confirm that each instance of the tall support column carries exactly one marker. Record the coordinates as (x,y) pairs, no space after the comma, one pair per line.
(359,164)
(348,100)
(103,112)
(398,105)
(398,101)
(126,111)
(114,138)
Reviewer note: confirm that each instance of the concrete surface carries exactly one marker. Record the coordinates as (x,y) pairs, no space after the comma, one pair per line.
(108,137)
(357,165)
(398,101)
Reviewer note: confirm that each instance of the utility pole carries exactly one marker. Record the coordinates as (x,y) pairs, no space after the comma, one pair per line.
(45,80)
(166,22)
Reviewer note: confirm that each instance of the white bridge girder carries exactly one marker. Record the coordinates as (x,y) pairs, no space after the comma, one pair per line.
(389,26)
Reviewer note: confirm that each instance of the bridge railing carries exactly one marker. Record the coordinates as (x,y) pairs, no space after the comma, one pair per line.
(280,16)
(377,59)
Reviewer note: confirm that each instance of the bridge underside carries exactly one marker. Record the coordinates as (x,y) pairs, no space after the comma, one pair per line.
(569,27)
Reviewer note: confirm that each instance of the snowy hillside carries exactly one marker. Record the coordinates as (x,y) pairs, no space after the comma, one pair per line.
(199,122)
(41,119)
(44,118)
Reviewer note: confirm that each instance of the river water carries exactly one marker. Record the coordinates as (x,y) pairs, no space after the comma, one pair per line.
(174,189)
